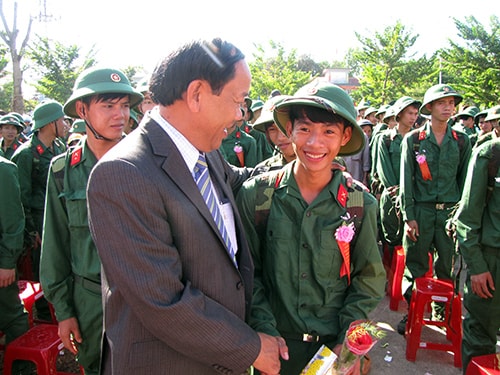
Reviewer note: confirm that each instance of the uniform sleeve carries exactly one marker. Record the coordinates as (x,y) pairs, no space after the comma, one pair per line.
(24,162)
(11,217)
(261,316)
(55,262)
(368,276)
(465,156)
(468,218)
(407,174)
(384,164)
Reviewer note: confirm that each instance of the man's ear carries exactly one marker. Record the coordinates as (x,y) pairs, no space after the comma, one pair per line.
(347,135)
(194,94)
(80,109)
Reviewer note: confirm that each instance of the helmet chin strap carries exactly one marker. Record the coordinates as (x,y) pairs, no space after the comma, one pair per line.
(96,134)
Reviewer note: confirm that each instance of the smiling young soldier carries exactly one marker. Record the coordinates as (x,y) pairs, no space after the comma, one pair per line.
(70,267)
(306,289)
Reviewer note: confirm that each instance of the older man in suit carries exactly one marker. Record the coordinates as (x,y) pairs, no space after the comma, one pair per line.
(177,287)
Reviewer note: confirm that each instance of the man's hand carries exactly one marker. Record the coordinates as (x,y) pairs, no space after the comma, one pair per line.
(69,332)
(482,284)
(271,349)
(7,277)
(411,229)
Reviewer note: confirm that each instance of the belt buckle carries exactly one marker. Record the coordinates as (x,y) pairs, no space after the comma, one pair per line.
(306,337)
(440,206)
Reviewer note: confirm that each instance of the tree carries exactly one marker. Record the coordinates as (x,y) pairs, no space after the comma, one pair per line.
(56,65)
(386,68)
(280,72)
(476,61)
(9,36)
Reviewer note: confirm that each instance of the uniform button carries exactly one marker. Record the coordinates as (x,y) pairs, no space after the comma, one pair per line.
(308,213)
(303,275)
(303,305)
(304,245)
(239,285)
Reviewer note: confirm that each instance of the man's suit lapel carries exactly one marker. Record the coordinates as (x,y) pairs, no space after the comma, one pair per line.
(174,166)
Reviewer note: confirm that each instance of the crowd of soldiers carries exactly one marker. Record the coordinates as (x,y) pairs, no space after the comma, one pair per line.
(424,162)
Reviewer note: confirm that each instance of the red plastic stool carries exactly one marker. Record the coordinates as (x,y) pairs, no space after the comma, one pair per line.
(395,278)
(29,293)
(41,345)
(484,365)
(429,290)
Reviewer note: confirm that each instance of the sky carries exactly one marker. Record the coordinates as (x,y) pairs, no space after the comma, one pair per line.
(141,32)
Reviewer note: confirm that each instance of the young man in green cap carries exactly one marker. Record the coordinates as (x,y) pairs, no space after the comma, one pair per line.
(308,288)
(491,120)
(388,167)
(10,128)
(13,319)
(433,169)
(466,123)
(70,267)
(33,159)
(478,232)
(264,149)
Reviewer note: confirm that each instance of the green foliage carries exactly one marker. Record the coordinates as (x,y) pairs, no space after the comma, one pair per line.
(279,72)
(6,96)
(387,70)
(3,60)
(475,63)
(57,66)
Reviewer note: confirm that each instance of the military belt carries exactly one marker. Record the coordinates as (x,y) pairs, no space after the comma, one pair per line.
(307,337)
(88,284)
(437,206)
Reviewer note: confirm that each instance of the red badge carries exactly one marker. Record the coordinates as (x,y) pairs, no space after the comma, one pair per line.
(76,156)
(39,149)
(455,135)
(238,134)
(421,135)
(115,77)
(342,195)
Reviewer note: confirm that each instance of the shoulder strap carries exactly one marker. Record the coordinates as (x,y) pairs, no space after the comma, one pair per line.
(58,170)
(355,204)
(266,185)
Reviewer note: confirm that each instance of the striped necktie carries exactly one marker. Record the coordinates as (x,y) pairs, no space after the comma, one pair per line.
(204,183)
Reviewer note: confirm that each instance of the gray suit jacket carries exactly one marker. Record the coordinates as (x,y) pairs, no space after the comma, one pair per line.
(174,303)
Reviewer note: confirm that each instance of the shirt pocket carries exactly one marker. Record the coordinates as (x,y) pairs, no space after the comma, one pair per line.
(328,259)
(76,204)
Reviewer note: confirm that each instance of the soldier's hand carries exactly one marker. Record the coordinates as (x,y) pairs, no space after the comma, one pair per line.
(69,332)
(482,284)
(411,229)
(7,276)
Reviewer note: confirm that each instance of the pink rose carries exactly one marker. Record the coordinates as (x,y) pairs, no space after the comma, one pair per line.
(238,149)
(345,233)
(421,159)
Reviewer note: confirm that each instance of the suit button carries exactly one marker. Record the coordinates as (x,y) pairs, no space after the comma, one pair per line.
(239,285)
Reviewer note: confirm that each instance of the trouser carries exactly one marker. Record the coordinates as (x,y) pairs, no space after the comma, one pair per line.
(88,307)
(42,306)
(13,322)
(431,225)
(482,321)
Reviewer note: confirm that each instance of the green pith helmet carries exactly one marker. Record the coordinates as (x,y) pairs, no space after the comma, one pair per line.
(10,119)
(95,81)
(143,85)
(266,116)
(382,109)
(370,110)
(468,112)
(404,102)
(329,97)
(363,104)
(482,113)
(256,105)
(46,112)
(365,122)
(389,113)
(493,113)
(438,92)
(133,116)
(78,127)
(18,116)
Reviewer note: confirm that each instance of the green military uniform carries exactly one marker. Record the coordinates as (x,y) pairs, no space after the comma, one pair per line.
(297,261)
(248,145)
(429,201)
(33,160)
(478,232)
(70,267)
(13,319)
(9,151)
(264,149)
(388,167)
(273,163)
